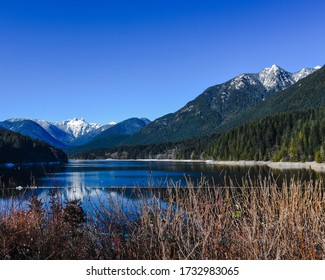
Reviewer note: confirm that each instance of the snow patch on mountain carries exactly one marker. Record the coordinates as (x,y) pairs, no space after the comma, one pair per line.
(187,109)
(55,131)
(224,96)
(242,81)
(304,72)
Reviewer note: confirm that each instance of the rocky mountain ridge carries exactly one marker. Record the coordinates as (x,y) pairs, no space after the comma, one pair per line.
(218,105)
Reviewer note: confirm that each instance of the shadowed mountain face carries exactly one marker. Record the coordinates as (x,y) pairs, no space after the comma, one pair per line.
(118,133)
(218,105)
(33,130)
(59,134)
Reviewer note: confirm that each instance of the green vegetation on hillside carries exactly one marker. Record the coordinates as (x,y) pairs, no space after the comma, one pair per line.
(295,136)
(308,93)
(222,107)
(17,148)
(287,126)
(201,116)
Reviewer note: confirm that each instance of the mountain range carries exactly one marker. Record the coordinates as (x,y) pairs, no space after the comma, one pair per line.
(218,109)
(218,105)
(289,125)
(74,132)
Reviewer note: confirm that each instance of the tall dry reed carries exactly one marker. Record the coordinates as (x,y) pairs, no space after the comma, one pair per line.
(256,218)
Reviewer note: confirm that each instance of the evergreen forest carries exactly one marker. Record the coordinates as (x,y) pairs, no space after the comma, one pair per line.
(17,148)
(293,136)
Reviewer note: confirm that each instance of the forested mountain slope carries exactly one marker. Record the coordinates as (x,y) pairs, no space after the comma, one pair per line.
(218,106)
(17,148)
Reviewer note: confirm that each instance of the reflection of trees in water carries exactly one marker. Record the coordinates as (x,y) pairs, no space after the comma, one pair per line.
(85,174)
(94,200)
(27,174)
(158,175)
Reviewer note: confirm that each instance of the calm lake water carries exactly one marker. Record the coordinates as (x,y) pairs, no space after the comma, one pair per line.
(97,179)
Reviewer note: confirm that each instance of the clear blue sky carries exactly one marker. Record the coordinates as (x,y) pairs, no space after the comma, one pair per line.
(115,59)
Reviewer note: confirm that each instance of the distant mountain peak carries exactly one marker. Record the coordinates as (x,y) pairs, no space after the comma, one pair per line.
(71,132)
(273,68)
(272,78)
(275,77)
(276,67)
(242,81)
(304,72)
(215,109)
(77,127)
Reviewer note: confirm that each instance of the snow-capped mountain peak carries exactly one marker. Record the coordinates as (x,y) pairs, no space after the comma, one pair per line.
(77,127)
(73,132)
(304,72)
(276,78)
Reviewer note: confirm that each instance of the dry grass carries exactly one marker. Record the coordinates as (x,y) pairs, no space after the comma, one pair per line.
(255,219)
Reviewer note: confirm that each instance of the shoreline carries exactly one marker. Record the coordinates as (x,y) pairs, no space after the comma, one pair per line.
(318,167)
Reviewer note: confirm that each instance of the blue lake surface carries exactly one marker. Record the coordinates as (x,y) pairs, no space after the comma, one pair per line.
(110,173)
(94,181)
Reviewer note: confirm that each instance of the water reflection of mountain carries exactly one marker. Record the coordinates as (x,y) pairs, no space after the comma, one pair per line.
(98,183)
(94,200)
(120,173)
